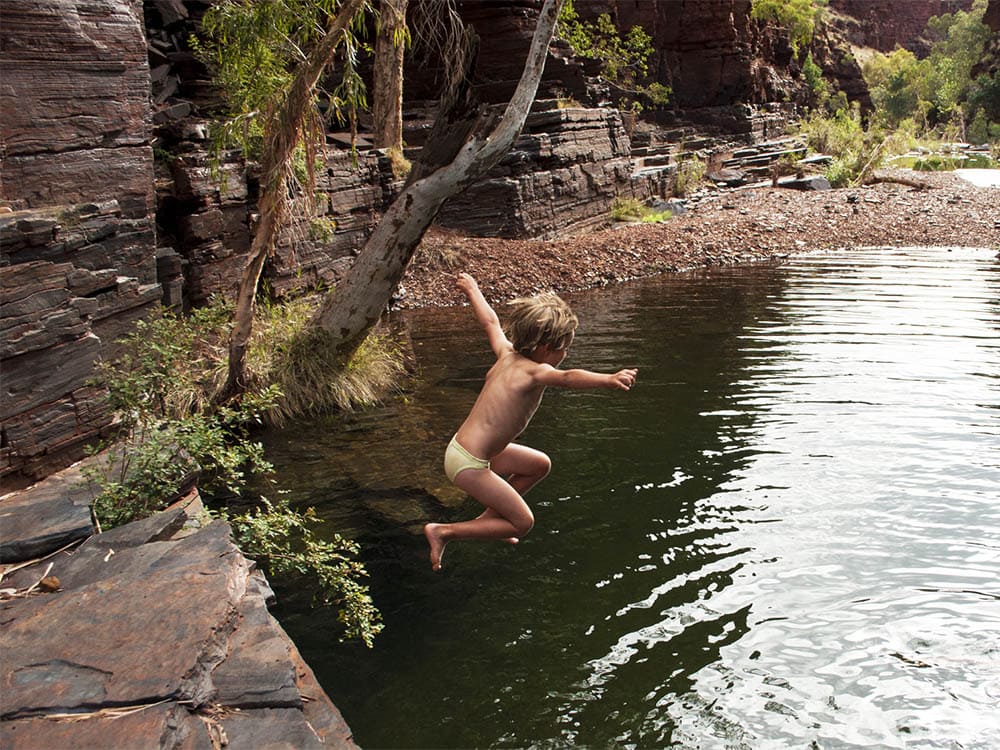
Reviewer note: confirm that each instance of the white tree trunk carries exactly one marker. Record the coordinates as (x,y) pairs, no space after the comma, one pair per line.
(387,89)
(350,311)
(282,132)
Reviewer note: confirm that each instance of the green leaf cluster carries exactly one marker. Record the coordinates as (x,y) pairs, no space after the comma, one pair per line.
(690,173)
(283,542)
(251,48)
(813,75)
(799,17)
(624,59)
(939,90)
(168,430)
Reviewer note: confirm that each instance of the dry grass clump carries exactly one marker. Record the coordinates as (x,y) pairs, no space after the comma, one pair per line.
(312,377)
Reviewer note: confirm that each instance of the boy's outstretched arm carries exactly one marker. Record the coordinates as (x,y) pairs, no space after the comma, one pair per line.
(485,314)
(622,380)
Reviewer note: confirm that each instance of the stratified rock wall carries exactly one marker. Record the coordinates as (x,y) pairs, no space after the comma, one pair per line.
(886,24)
(701,48)
(77,245)
(75,101)
(561,177)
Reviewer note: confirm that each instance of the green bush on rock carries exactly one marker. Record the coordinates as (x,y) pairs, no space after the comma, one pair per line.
(168,429)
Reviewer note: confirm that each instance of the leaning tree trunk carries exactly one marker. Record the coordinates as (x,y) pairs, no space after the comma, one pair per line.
(282,132)
(350,311)
(387,91)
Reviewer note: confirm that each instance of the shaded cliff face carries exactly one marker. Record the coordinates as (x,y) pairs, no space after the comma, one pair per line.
(886,24)
(703,49)
(990,64)
(76,234)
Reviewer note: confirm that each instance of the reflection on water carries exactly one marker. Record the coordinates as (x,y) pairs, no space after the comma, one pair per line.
(788,532)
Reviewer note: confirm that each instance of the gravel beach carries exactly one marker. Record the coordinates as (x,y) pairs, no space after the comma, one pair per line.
(719,228)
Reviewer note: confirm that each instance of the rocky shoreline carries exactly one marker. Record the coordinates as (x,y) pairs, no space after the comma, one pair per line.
(720,227)
(153,634)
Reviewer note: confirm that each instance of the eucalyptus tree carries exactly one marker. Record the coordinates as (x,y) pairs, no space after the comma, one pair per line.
(268,57)
(466,141)
(391,41)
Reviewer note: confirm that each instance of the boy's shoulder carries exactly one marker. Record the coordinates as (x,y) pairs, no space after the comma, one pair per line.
(528,367)
(519,363)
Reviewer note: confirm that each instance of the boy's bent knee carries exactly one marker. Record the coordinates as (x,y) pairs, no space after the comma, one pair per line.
(543,465)
(524,524)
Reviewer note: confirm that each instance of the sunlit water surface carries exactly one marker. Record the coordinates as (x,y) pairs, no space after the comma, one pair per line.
(786,536)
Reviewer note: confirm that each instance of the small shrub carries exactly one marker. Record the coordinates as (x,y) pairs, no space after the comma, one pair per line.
(399,164)
(322,229)
(690,173)
(283,542)
(654,217)
(160,389)
(624,56)
(813,74)
(628,209)
(632,209)
(658,94)
(799,17)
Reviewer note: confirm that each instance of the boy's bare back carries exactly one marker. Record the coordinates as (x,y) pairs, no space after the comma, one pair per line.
(506,403)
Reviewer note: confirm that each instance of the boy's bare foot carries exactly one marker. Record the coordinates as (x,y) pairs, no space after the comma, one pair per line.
(437,543)
(511,540)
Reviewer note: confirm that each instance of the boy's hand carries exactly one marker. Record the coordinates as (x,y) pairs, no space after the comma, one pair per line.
(466,283)
(624,379)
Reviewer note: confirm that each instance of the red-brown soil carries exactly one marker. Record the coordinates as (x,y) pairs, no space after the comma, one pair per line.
(727,227)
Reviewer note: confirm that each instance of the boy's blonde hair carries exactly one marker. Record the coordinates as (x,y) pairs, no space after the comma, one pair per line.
(539,320)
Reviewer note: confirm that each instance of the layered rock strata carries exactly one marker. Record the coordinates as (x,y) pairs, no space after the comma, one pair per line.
(562,176)
(154,634)
(77,244)
(887,24)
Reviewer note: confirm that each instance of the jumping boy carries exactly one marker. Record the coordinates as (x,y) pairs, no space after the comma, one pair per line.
(481,459)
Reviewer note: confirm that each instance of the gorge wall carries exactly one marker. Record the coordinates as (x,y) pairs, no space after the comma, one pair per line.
(885,24)
(111,204)
(77,242)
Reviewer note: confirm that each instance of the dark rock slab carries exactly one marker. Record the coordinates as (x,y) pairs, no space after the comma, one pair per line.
(38,377)
(271,728)
(153,629)
(99,556)
(44,518)
(167,726)
(159,636)
(728,177)
(814,182)
(325,719)
(258,672)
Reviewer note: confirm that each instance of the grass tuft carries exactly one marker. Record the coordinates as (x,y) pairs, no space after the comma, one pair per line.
(303,363)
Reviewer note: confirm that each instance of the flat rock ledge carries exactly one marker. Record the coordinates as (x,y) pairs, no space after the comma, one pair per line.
(154,634)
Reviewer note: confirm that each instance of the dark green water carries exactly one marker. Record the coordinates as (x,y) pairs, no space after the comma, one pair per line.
(786,536)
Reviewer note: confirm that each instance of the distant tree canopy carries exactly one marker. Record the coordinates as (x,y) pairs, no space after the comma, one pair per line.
(624,58)
(939,89)
(799,17)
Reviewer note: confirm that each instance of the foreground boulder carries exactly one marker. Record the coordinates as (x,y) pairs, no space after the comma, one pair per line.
(153,635)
